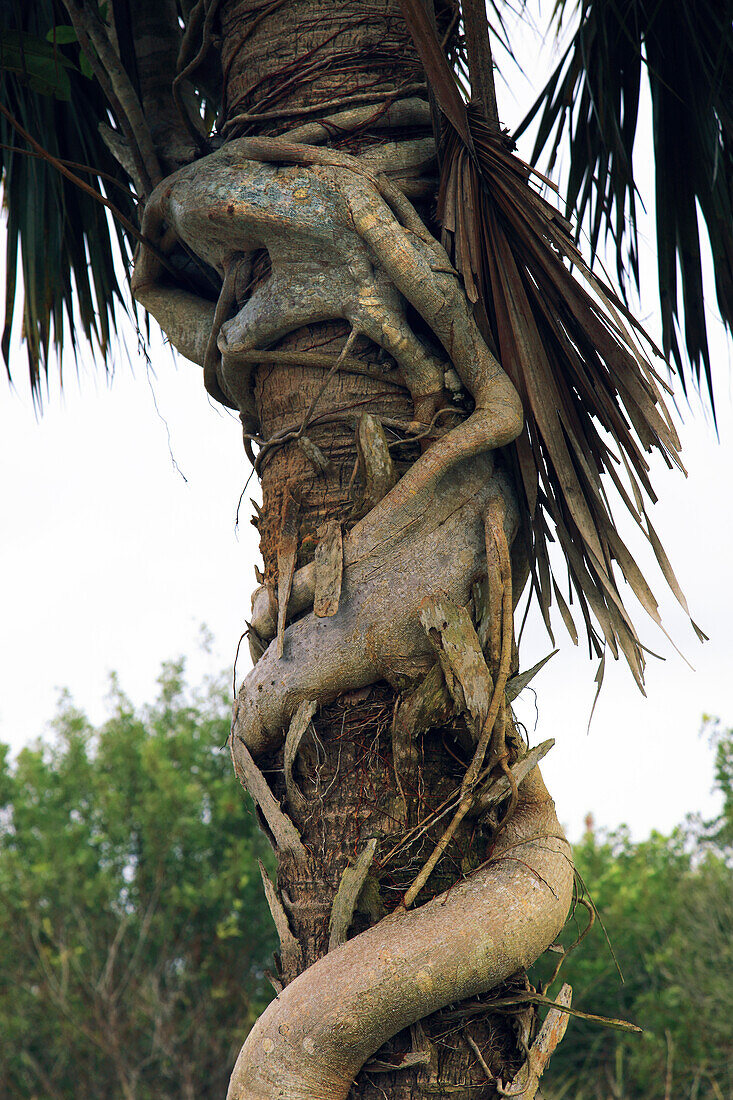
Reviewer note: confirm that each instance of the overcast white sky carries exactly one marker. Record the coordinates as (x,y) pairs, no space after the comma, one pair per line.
(109,560)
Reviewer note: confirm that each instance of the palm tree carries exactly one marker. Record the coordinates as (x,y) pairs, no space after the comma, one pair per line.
(350,251)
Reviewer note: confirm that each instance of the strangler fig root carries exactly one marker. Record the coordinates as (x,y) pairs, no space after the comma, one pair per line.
(343,243)
(317,1034)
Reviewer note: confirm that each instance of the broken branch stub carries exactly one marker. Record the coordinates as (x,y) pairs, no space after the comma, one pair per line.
(287,553)
(329,567)
(291,953)
(426,706)
(300,723)
(501,788)
(285,834)
(519,682)
(257,645)
(315,455)
(527,1081)
(378,473)
(485,732)
(347,895)
(408,1060)
(494,586)
(458,650)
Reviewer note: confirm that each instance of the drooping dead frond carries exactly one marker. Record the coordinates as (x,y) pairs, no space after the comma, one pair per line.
(592,401)
(591,102)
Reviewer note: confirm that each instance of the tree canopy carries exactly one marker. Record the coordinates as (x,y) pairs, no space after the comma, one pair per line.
(134,935)
(666,904)
(133,929)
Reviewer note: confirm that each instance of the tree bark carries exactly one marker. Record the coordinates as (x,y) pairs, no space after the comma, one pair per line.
(366,794)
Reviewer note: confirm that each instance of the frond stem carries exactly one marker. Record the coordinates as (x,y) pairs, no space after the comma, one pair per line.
(119,90)
(480,62)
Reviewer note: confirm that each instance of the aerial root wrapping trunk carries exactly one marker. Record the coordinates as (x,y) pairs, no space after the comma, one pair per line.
(426,539)
(373,731)
(317,1034)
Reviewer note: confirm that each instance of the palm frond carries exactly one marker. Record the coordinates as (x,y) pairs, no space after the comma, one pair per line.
(59,239)
(591,104)
(592,401)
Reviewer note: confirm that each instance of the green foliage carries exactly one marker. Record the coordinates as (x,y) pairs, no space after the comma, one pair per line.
(133,929)
(591,105)
(667,904)
(35,63)
(721,830)
(67,245)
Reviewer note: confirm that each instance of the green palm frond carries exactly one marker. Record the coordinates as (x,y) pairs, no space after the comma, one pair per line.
(60,239)
(591,103)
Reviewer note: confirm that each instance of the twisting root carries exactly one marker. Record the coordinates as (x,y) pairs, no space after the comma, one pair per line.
(494,725)
(313,1039)
(344,243)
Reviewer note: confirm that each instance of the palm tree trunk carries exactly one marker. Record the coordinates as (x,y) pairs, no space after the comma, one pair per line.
(280,61)
(379,997)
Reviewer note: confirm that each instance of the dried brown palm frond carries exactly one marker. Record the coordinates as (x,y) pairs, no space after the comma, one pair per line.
(592,400)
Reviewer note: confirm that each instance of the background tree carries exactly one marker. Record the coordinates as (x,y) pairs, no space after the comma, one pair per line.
(118,921)
(134,931)
(666,903)
(267,275)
